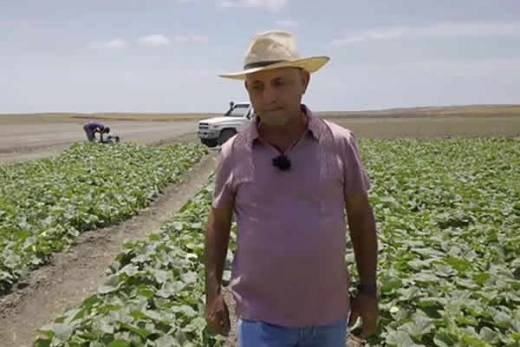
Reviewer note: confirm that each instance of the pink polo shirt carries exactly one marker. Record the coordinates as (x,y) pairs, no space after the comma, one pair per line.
(289,267)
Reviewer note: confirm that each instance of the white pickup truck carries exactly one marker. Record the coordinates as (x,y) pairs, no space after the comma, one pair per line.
(217,130)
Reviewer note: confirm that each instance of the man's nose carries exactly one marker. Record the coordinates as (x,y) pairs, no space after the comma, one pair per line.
(270,95)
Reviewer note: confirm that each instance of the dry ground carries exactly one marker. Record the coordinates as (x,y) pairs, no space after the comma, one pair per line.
(430,127)
(32,137)
(35,136)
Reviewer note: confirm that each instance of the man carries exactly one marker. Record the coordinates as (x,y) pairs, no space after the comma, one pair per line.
(92,128)
(288,178)
(105,131)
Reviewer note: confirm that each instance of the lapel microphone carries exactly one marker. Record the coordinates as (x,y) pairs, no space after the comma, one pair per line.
(282,162)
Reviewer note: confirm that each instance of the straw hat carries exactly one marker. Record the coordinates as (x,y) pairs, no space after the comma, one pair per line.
(273,50)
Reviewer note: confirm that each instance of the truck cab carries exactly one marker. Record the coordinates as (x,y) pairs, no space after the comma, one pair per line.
(217,130)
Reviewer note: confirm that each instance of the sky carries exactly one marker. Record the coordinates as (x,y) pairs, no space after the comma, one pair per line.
(165,55)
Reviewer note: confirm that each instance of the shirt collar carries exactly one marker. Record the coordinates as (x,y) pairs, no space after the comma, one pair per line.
(313,126)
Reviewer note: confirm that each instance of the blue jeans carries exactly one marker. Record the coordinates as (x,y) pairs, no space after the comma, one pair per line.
(261,334)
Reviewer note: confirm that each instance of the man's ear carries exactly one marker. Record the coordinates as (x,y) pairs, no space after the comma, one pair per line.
(245,84)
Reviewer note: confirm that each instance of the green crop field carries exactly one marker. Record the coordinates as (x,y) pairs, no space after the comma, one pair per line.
(45,204)
(448,214)
(154,295)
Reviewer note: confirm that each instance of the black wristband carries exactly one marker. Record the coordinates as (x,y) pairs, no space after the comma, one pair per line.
(370,289)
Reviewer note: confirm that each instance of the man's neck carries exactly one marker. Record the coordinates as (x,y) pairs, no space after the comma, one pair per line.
(285,136)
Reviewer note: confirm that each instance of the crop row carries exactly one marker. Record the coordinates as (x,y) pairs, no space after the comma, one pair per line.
(154,294)
(448,215)
(46,204)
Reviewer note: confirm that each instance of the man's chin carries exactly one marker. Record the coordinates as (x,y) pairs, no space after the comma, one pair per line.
(273,122)
(273,118)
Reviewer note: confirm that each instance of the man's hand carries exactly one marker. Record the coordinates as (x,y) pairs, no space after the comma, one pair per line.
(365,306)
(217,316)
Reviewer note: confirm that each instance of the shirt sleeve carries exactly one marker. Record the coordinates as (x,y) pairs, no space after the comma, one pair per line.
(355,177)
(224,192)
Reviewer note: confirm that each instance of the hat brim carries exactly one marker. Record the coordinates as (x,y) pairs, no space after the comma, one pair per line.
(311,64)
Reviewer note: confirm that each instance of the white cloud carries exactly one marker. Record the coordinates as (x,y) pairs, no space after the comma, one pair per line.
(439,30)
(112,44)
(287,23)
(152,41)
(156,40)
(186,39)
(273,5)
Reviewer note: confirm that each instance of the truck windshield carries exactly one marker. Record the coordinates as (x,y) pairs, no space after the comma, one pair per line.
(238,111)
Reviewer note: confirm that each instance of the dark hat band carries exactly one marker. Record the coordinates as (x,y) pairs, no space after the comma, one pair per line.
(262,64)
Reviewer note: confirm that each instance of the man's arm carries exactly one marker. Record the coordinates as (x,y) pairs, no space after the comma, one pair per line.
(364,240)
(216,246)
(364,236)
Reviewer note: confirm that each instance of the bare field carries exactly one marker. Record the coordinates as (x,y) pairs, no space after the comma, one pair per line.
(429,127)
(31,136)
(83,117)
(27,137)
(427,122)
(439,111)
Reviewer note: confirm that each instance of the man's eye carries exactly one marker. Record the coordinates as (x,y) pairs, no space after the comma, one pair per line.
(257,88)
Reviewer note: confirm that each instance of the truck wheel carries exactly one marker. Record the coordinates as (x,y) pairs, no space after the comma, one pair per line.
(209,142)
(225,135)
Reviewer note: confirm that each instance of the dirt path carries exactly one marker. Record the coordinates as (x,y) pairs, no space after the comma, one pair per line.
(74,275)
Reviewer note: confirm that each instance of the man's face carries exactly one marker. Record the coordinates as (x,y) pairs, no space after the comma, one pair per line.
(276,94)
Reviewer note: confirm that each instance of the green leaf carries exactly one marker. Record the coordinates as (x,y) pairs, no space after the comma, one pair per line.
(119,343)
(160,275)
(502,320)
(188,311)
(111,285)
(488,335)
(136,330)
(190,277)
(165,341)
(62,331)
(419,326)
(459,264)
(400,338)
